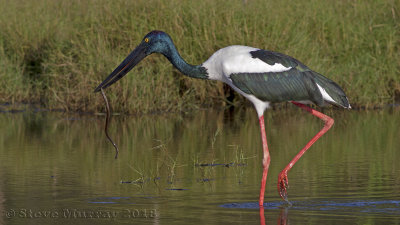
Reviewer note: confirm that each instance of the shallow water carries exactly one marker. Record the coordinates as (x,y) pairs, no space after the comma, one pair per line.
(203,168)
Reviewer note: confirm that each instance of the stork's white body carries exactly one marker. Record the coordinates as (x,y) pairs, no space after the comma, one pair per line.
(237,59)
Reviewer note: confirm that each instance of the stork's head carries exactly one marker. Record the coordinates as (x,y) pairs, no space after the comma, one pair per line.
(155,41)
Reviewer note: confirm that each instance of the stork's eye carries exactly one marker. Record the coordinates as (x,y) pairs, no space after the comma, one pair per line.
(146,40)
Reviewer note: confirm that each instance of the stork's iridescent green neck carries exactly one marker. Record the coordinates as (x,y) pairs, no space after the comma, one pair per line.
(168,49)
(154,42)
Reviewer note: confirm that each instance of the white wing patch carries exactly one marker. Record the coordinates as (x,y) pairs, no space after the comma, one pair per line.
(237,59)
(244,63)
(325,95)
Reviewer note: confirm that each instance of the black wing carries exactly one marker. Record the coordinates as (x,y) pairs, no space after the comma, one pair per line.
(290,85)
(296,84)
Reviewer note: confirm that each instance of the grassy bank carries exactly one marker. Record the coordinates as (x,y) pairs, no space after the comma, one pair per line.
(56,52)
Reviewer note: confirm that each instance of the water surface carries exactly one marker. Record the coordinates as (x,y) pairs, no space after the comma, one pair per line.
(203,168)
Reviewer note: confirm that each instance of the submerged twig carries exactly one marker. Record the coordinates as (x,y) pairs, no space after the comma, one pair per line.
(107,121)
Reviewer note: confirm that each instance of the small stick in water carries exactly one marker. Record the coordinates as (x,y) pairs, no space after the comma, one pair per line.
(107,121)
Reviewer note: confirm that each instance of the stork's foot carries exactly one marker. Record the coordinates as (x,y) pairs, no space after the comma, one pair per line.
(283,185)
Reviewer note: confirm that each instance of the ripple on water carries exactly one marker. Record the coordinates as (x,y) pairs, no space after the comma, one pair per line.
(118,200)
(361,206)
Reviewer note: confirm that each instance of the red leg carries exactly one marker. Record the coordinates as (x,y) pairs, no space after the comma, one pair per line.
(266,160)
(262,217)
(283,182)
(283,217)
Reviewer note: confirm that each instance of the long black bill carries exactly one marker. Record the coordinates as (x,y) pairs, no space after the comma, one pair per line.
(129,62)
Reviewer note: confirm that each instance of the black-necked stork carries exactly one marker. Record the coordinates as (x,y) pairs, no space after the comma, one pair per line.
(261,76)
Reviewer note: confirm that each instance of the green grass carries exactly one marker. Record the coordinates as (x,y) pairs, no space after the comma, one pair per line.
(56,52)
